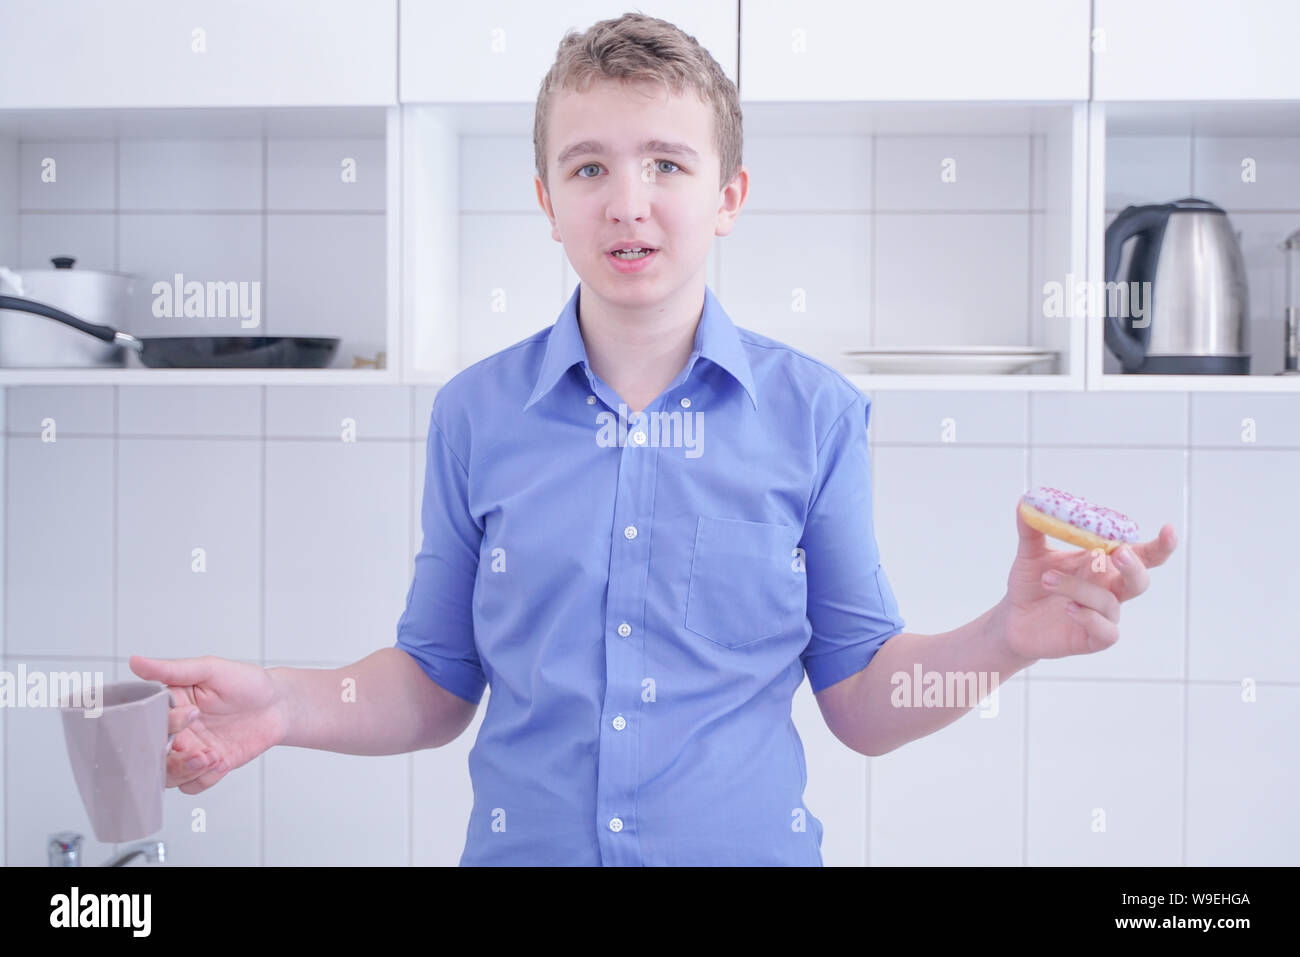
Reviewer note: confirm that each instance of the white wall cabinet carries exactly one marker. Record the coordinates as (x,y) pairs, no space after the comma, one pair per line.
(920,50)
(498,52)
(1187,50)
(160,53)
(888,101)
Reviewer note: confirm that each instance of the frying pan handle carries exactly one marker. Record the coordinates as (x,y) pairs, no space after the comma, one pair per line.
(107,333)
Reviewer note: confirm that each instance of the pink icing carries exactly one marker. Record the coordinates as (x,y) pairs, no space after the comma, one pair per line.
(1105,522)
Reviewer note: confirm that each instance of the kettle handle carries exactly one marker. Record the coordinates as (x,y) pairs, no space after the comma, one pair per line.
(1133,221)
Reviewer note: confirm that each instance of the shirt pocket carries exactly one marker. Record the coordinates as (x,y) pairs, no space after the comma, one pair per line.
(744,584)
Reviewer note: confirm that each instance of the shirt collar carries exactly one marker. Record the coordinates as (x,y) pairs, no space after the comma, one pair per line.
(716,339)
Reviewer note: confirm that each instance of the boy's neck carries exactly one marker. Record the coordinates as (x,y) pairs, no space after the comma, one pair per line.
(639,353)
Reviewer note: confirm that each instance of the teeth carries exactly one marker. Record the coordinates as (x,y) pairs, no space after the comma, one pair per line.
(631,253)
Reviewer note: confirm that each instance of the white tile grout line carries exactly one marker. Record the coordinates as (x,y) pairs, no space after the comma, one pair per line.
(1024,753)
(1029,252)
(117,204)
(875,253)
(871,438)
(261,579)
(114,485)
(4,635)
(113,504)
(875,494)
(261,765)
(262,217)
(410,550)
(1187,619)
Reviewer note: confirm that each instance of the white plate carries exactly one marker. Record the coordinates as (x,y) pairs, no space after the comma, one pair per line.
(958,360)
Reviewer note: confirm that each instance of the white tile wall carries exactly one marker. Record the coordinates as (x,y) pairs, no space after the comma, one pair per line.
(4,471)
(366,820)
(1242,774)
(955,797)
(336,175)
(189,525)
(89,238)
(190,175)
(510,270)
(338,564)
(329,280)
(322,602)
(949,173)
(1106,764)
(9,200)
(1154,732)
(59,545)
(67,175)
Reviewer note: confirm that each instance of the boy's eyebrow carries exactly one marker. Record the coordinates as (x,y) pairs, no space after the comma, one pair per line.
(649,146)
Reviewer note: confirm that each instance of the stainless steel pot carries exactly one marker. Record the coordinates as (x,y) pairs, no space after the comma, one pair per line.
(32,341)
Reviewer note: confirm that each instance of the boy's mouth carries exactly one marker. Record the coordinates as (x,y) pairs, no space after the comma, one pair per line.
(631,253)
(631,259)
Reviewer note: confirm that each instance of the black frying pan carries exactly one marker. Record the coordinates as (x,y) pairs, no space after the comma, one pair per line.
(199,352)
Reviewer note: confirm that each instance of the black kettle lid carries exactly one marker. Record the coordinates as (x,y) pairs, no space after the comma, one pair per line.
(1192,204)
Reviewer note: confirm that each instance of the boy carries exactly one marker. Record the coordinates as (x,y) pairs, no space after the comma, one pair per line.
(642,525)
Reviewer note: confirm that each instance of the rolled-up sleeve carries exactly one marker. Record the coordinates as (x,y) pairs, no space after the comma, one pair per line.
(437,627)
(851,607)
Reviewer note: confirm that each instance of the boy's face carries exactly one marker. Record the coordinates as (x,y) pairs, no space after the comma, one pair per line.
(613,190)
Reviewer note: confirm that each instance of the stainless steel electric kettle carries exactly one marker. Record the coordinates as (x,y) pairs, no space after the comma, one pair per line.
(1185,291)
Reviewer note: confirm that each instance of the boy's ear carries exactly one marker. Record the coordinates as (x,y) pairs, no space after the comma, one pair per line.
(543,198)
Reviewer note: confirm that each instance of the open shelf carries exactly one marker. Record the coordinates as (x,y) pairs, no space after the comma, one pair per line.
(1149,152)
(444,332)
(302,206)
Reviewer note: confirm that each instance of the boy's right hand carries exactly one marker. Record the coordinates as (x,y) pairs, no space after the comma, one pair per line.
(239,716)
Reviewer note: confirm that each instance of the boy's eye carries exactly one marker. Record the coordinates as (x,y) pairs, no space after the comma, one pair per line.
(596,165)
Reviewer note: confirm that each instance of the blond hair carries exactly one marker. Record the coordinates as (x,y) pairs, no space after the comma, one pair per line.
(636,47)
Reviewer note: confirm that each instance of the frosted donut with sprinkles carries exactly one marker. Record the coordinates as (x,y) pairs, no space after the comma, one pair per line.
(1075,520)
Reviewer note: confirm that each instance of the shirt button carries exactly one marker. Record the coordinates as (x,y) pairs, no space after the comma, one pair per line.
(638,438)
(630,532)
(591,400)
(616,824)
(625,629)
(686,402)
(619,723)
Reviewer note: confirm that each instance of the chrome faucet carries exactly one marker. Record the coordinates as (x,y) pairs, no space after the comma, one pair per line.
(65,851)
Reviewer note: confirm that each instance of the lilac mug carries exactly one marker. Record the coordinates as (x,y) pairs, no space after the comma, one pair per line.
(118,749)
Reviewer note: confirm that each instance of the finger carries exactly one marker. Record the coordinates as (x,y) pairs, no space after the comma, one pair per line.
(178,719)
(1157,551)
(186,766)
(1099,631)
(1096,597)
(1032,542)
(182,672)
(205,779)
(1133,573)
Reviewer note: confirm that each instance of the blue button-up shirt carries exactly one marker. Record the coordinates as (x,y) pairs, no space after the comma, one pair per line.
(644,594)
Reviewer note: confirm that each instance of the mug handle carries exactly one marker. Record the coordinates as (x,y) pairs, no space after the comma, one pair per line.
(171,702)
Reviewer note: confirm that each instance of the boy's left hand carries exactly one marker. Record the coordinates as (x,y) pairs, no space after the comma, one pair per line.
(1031,621)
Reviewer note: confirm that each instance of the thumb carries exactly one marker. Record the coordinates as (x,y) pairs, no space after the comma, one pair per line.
(173,671)
(1032,542)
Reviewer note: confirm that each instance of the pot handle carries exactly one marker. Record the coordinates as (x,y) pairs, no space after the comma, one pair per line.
(107,333)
